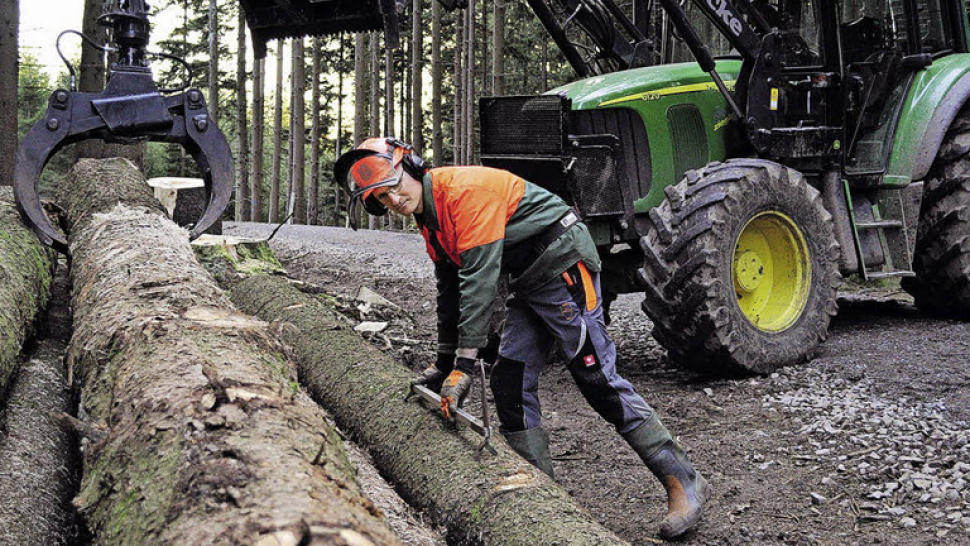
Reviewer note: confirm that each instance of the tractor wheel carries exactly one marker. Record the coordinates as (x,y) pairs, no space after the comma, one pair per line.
(941,259)
(740,268)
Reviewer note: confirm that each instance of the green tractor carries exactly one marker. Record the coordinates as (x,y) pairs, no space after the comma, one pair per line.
(805,142)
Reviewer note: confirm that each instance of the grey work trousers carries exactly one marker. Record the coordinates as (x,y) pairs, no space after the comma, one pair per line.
(566,311)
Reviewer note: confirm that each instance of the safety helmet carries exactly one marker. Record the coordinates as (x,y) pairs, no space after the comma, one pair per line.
(374,164)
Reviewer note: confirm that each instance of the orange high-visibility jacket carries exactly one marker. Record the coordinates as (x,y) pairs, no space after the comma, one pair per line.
(471,216)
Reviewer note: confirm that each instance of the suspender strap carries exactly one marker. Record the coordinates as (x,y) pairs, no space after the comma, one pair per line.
(518,257)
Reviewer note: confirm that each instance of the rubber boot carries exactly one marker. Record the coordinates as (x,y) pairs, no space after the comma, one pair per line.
(687,490)
(533,446)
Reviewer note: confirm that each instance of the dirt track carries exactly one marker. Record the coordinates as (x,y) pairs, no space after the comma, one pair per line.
(868,443)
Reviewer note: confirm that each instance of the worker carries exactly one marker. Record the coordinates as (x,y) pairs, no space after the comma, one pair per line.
(479,223)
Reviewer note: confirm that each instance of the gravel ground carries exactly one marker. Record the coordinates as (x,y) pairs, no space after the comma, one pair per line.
(867,443)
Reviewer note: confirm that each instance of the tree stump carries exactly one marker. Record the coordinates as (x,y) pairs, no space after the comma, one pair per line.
(184,199)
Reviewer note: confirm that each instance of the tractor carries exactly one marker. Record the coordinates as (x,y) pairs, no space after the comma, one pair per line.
(803,142)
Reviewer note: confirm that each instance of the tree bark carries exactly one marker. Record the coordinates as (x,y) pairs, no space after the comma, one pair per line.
(214,60)
(458,132)
(360,87)
(375,105)
(501,500)
(469,125)
(340,130)
(9,74)
(243,203)
(92,71)
(417,78)
(389,92)
(498,50)
(37,459)
(298,135)
(437,73)
(207,440)
(274,188)
(259,120)
(313,205)
(26,284)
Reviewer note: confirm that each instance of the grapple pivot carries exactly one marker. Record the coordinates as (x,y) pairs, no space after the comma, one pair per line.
(130,109)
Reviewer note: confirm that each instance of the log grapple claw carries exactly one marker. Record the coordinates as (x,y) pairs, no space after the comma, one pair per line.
(130,109)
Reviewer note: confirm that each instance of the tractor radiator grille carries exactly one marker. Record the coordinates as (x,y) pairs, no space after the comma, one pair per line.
(593,179)
(523,125)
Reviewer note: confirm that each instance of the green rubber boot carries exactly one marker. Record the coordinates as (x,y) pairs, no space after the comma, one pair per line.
(533,446)
(687,490)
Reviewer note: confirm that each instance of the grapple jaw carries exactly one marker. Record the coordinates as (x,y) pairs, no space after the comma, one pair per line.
(130,109)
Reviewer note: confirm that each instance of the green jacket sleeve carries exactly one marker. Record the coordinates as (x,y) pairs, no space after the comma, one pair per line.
(479,273)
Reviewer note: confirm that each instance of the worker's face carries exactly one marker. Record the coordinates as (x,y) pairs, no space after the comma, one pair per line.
(406,198)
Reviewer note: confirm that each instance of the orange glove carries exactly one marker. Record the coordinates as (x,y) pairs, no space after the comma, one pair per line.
(455,389)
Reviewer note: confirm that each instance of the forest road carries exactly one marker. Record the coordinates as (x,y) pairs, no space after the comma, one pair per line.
(867,443)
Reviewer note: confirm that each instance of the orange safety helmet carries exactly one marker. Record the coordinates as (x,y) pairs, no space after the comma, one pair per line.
(374,164)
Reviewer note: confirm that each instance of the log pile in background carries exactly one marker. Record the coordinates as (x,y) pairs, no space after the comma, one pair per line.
(501,500)
(208,439)
(25,278)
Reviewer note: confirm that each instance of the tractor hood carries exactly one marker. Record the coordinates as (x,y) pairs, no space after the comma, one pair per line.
(644,84)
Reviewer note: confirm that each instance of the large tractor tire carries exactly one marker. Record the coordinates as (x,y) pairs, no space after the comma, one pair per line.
(941,259)
(740,269)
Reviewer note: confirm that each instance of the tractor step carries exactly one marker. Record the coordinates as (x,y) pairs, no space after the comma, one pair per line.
(885,221)
(882,224)
(889,274)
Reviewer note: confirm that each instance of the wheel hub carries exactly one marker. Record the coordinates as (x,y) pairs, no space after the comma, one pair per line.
(749,271)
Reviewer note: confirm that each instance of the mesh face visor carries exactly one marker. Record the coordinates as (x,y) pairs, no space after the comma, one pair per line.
(363,177)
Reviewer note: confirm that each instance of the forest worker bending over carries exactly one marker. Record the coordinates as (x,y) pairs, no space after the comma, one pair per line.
(480,223)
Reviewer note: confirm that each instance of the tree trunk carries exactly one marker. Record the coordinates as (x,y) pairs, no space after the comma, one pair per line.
(469,123)
(274,188)
(458,132)
(207,439)
(214,61)
(340,131)
(26,266)
(417,77)
(360,86)
(375,105)
(437,73)
(92,71)
(37,458)
(243,204)
(500,500)
(313,205)
(9,74)
(498,50)
(259,120)
(389,92)
(299,134)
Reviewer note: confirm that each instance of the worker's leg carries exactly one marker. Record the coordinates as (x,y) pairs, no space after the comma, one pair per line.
(571,308)
(515,384)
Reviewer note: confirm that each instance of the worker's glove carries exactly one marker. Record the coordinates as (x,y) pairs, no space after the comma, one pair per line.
(435,374)
(456,386)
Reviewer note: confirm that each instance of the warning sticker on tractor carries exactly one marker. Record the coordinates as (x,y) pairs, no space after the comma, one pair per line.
(774,98)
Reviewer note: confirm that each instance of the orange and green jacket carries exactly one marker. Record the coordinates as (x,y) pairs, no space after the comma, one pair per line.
(471,216)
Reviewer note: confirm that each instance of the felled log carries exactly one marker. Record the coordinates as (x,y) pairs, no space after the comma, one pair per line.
(500,500)
(37,474)
(208,438)
(25,279)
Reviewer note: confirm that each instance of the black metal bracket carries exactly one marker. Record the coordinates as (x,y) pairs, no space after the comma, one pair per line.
(130,109)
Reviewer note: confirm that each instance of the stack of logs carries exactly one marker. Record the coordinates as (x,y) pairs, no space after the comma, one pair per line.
(198,421)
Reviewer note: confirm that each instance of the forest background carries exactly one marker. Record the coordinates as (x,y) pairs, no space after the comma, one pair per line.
(322,95)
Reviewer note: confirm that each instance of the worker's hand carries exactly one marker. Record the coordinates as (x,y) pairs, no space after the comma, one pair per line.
(433,375)
(456,386)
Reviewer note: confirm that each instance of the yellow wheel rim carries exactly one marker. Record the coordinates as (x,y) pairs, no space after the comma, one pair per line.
(772,272)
